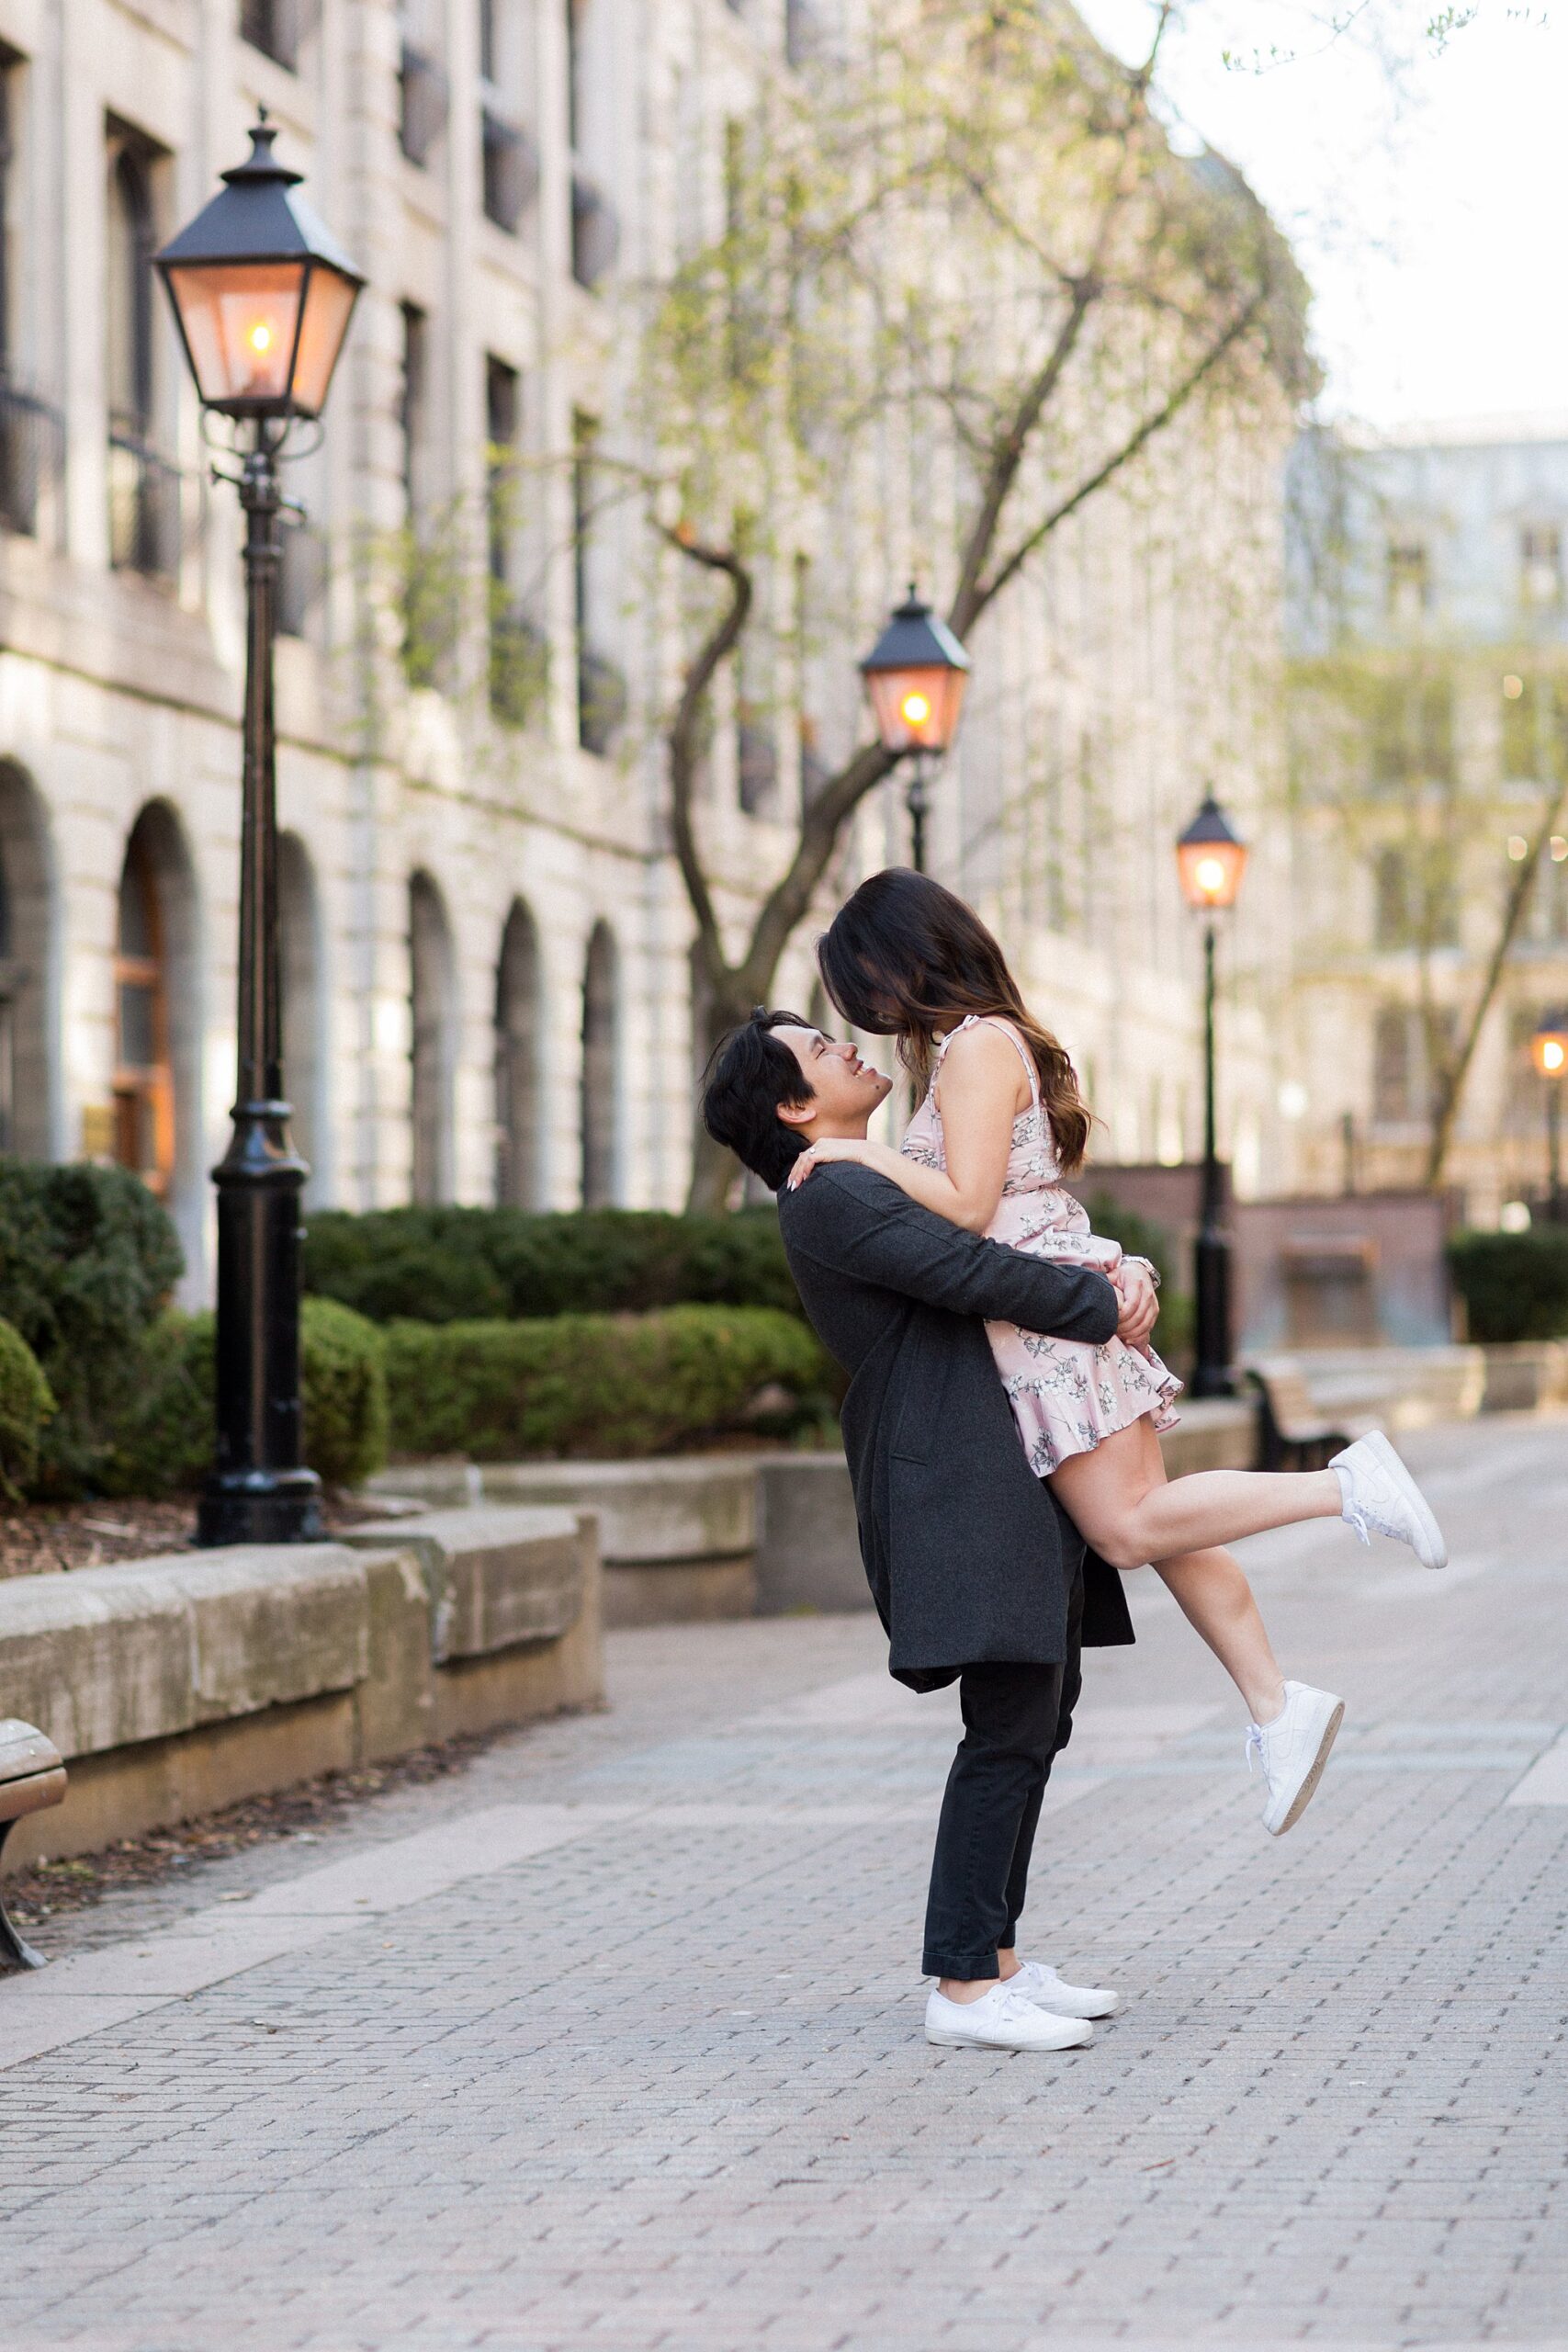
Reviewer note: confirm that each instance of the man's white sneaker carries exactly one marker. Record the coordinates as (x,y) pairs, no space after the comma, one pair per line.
(1381,1497)
(1000,2019)
(1293,1750)
(1040,1983)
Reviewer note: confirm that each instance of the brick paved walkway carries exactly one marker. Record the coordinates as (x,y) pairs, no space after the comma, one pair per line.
(615,2041)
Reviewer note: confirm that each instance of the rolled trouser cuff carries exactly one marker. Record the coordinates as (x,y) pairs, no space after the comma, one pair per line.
(968,1968)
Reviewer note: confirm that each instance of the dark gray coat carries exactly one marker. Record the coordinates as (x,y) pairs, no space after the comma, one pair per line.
(968,1555)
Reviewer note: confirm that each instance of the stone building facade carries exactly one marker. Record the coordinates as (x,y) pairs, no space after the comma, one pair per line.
(486,947)
(1428,635)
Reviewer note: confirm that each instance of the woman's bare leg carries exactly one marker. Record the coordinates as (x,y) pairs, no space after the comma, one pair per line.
(1217,1602)
(1122,1504)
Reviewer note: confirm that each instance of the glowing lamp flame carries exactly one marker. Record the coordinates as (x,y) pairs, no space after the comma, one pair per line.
(1552,1057)
(916,709)
(1210,875)
(260,337)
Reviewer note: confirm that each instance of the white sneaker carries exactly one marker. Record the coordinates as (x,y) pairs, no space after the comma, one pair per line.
(1381,1497)
(1040,1983)
(1293,1750)
(1000,2019)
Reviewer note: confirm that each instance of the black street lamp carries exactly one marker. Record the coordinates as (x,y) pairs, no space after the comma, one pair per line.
(1549,1051)
(263,297)
(915,674)
(1210,859)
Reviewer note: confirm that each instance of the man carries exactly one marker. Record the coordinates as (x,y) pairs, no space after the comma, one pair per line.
(977,1575)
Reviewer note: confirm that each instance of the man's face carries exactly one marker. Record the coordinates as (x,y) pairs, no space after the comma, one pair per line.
(846,1091)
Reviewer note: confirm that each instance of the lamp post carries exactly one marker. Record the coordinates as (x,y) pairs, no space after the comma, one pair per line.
(263,296)
(915,674)
(1210,858)
(1549,1051)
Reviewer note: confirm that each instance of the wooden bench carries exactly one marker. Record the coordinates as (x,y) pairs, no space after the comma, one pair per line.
(32,1776)
(1291,1432)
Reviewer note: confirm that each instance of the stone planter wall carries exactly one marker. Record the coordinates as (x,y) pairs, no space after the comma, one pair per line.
(176,1685)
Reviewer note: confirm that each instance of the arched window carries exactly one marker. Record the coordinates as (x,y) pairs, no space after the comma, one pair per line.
(144,1076)
(159,992)
(303,1058)
(27,1088)
(601,1070)
(517,1158)
(432,1006)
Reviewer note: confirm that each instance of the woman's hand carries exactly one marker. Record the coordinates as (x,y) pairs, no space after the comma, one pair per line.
(861,1147)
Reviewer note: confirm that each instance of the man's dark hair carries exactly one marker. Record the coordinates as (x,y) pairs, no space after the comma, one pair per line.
(750,1075)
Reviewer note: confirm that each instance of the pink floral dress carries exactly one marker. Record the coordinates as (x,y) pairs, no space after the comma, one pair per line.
(1066,1394)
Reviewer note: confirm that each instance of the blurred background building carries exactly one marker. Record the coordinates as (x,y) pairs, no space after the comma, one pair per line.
(487,950)
(1428,719)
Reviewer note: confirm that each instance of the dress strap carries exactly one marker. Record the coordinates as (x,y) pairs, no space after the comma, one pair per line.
(1005,1029)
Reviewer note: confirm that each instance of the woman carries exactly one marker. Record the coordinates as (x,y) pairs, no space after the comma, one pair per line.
(1001,1123)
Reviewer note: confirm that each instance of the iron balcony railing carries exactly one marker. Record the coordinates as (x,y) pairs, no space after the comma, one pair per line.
(511,165)
(601,702)
(595,233)
(32,455)
(147,508)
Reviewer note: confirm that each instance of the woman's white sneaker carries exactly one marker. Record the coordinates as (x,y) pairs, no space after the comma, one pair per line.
(1039,1983)
(1293,1750)
(1381,1497)
(1000,2019)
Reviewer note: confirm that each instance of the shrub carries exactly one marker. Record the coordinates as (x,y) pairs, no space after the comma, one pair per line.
(345,1382)
(87,1257)
(446,1265)
(595,1385)
(165,1437)
(1514,1286)
(25,1406)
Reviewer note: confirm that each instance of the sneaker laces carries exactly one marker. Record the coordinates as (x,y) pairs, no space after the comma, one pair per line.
(1351,1507)
(1255,1755)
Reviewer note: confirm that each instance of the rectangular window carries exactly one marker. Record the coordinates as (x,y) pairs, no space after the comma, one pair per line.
(501,409)
(1409,579)
(601,688)
(145,489)
(1541,566)
(1392,924)
(575,11)
(1393,1065)
(413,407)
(274,27)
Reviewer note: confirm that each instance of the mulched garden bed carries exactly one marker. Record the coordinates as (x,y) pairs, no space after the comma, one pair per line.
(47,1888)
(42,1538)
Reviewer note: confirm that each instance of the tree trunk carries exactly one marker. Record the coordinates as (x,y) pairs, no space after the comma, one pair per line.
(714,1012)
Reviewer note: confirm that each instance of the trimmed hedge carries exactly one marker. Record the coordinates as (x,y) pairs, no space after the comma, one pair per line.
(1514,1286)
(87,1257)
(595,1385)
(164,1440)
(25,1406)
(448,1265)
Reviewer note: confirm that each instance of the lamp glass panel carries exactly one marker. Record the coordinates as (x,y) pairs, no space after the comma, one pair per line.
(1211,872)
(239,320)
(329,300)
(917,709)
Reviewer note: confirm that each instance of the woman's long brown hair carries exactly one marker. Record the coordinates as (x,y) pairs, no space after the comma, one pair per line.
(904,957)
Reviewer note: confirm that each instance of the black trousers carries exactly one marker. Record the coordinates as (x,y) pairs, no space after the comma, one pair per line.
(1016,1719)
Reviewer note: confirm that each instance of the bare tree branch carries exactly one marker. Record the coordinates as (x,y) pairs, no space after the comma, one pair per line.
(984,594)
(685,737)
(1451,1087)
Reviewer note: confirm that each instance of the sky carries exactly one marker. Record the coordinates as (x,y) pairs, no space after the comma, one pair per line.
(1422,179)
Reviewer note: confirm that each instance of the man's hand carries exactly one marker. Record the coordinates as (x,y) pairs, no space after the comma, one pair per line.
(1140,1303)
